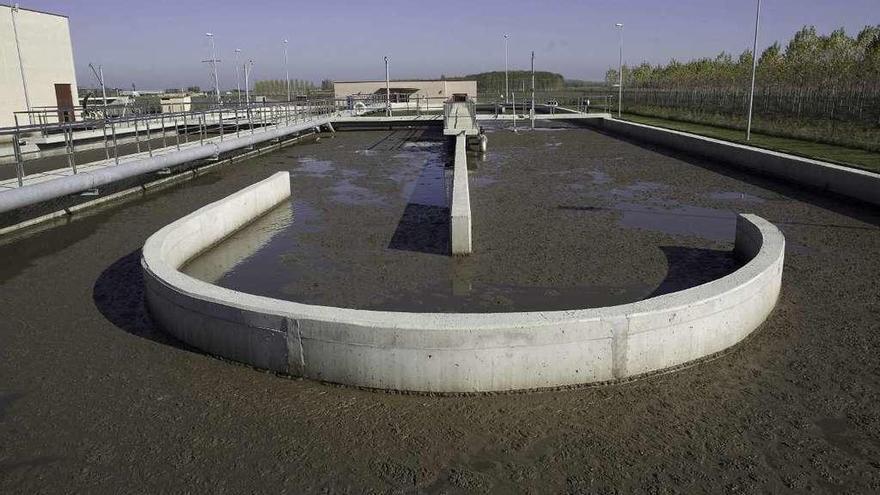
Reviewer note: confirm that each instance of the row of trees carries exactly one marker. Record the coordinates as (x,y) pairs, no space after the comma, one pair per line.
(278,87)
(818,87)
(833,62)
(519,81)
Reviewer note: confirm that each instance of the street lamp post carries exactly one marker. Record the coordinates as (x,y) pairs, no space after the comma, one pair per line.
(238,74)
(533,90)
(214,66)
(286,70)
(27,98)
(247,87)
(506,57)
(754,70)
(387,90)
(620,70)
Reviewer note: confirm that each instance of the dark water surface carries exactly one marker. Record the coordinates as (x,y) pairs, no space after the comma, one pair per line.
(559,223)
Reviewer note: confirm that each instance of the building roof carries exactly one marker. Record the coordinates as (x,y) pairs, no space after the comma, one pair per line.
(408,80)
(34,10)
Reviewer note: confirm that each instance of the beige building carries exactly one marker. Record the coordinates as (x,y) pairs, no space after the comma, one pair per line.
(36,64)
(404,91)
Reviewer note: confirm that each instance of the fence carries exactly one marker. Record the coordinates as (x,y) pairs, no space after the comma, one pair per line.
(796,103)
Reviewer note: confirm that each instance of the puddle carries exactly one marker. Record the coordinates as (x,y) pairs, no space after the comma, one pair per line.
(735,196)
(430,188)
(224,259)
(600,177)
(313,166)
(424,145)
(707,223)
(636,188)
(346,192)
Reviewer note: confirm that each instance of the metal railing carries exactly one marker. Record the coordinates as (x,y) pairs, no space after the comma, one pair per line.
(152,131)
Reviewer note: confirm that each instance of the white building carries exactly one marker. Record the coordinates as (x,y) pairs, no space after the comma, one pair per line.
(36,65)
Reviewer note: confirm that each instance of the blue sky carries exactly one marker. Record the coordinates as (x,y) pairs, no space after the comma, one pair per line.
(159,43)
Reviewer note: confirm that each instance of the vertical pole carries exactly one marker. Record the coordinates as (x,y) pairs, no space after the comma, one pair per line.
(19,164)
(237,74)
(214,66)
(513,98)
(620,71)
(149,144)
(506,53)
(104,132)
(68,138)
(103,88)
(387,90)
(286,70)
(533,89)
(137,136)
(162,123)
(27,100)
(115,142)
(754,70)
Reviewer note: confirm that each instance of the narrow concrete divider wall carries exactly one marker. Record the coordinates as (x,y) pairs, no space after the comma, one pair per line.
(460,211)
(447,352)
(846,181)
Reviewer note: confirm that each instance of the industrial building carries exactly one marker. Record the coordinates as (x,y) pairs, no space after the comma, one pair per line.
(404,91)
(36,65)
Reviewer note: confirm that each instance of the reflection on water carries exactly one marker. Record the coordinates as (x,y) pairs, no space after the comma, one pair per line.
(223,258)
(708,223)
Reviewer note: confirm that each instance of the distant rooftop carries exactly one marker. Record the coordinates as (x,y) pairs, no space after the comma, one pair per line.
(406,80)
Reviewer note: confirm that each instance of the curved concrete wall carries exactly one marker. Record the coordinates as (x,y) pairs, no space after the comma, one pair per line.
(439,352)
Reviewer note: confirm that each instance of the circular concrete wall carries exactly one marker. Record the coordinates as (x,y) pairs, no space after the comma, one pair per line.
(443,352)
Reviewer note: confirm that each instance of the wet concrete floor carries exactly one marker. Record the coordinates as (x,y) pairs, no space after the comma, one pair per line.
(368,227)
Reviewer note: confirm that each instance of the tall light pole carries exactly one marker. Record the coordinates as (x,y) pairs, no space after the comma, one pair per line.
(27,99)
(238,74)
(286,70)
(533,89)
(506,53)
(214,65)
(247,71)
(387,90)
(620,70)
(754,70)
